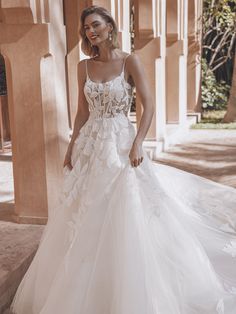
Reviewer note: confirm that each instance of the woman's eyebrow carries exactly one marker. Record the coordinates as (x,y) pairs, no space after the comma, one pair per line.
(91,23)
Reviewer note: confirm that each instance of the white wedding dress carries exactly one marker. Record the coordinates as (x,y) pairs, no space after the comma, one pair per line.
(123,240)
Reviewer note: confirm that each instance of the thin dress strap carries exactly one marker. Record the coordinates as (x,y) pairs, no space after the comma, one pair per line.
(86,67)
(124,62)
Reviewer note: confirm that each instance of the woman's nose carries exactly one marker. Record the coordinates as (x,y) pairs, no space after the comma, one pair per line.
(91,31)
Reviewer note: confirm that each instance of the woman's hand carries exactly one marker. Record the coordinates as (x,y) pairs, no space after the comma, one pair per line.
(136,155)
(67,160)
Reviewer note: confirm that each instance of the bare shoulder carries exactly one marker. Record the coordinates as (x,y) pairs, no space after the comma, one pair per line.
(134,64)
(81,70)
(133,59)
(81,65)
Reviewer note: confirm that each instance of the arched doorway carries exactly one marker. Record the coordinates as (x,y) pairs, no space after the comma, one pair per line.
(6,168)
(4,112)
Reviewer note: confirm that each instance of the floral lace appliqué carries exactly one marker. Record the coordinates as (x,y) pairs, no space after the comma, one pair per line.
(109,99)
(220,308)
(230,248)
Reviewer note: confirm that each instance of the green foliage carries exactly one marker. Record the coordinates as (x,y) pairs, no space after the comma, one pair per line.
(219,33)
(219,14)
(218,30)
(214,94)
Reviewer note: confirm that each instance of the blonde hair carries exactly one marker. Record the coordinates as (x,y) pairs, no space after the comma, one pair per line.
(85,44)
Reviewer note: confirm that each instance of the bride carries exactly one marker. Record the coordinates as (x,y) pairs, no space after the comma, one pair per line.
(128,236)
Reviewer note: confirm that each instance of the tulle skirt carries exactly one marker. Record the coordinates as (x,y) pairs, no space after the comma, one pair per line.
(123,240)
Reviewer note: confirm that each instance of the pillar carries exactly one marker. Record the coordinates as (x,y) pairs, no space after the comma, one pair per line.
(149,44)
(176,67)
(194,56)
(32,40)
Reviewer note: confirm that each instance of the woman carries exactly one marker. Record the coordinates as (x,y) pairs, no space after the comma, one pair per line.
(129,236)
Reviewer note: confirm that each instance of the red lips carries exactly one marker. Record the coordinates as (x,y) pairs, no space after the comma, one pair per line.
(93,36)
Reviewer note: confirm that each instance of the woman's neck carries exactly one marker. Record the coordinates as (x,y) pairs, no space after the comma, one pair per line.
(106,54)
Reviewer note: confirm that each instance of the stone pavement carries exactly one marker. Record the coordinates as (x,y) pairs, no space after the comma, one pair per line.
(208,153)
(18,242)
(18,245)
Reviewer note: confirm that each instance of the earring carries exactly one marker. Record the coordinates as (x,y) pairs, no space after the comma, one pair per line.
(110,36)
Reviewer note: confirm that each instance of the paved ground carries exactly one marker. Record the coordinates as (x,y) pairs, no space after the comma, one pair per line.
(18,242)
(208,153)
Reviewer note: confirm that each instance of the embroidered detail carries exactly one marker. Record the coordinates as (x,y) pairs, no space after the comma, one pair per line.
(220,308)
(232,290)
(108,99)
(230,248)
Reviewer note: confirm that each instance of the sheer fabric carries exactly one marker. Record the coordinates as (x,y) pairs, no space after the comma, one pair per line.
(124,240)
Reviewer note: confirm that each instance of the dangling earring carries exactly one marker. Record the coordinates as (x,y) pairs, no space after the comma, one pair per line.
(110,37)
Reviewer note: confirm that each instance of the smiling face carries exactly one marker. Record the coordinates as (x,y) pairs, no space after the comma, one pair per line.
(96,29)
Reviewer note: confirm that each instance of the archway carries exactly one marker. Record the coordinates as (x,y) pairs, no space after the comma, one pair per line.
(7,199)
(4,111)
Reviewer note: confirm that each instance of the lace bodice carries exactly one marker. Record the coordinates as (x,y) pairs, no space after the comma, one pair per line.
(108,99)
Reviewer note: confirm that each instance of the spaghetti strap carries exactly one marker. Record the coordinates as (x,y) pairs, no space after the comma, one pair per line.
(124,62)
(86,67)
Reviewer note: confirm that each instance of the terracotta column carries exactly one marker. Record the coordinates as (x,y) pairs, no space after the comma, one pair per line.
(121,12)
(194,55)
(176,68)
(34,55)
(149,43)
(72,11)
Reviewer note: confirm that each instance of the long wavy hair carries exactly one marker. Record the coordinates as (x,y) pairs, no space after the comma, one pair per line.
(93,50)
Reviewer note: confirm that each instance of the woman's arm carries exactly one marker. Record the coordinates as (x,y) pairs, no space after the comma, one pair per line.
(82,112)
(136,70)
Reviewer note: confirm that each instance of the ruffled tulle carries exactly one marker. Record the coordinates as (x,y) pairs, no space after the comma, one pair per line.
(147,240)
